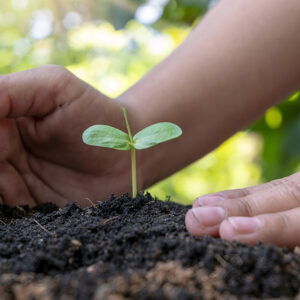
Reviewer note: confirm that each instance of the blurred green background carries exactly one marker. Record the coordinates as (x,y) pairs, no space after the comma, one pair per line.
(111,44)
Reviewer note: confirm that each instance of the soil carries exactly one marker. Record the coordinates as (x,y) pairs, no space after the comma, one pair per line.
(132,249)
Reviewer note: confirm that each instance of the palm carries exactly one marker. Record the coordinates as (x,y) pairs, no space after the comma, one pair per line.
(43,157)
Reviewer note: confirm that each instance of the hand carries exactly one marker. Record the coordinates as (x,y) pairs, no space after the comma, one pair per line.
(43,113)
(269,213)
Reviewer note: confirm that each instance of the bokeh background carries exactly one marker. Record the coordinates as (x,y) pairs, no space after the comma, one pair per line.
(111,44)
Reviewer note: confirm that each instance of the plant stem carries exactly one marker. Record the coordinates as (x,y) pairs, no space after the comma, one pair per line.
(127,124)
(133,172)
(133,160)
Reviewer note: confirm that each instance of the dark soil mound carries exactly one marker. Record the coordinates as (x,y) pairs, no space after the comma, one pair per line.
(131,249)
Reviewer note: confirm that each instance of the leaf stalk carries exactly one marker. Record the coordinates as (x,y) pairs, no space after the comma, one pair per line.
(133,157)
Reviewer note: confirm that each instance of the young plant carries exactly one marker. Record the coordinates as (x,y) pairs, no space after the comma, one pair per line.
(110,137)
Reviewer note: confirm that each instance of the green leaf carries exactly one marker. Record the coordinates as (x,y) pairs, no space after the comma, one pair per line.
(106,136)
(156,134)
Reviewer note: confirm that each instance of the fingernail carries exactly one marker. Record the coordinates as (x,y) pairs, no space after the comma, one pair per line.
(209,216)
(245,225)
(210,200)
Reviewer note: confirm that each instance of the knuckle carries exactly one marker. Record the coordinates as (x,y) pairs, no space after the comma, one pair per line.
(61,77)
(57,73)
(234,193)
(247,207)
(277,183)
(55,69)
(291,187)
(282,221)
(288,187)
(243,192)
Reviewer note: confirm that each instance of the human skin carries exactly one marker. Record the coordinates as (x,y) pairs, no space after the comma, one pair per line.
(242,58)
(43,159)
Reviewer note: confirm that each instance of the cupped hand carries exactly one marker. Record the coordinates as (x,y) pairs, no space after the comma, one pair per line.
(269,213)
(43,113)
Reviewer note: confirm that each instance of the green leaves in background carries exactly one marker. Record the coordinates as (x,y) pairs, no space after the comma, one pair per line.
(156,134)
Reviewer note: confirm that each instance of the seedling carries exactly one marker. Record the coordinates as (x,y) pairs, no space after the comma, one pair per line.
(110,137)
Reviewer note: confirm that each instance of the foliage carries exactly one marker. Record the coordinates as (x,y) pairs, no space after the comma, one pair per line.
(110,137)
(112,44)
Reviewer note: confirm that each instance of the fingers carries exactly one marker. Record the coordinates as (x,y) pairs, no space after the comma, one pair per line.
(283,193)
(34,93)
(13,166)
(281,229)
(39,181)
(69,185)
(243,193)
(276,196)
(204,221)
(13,190)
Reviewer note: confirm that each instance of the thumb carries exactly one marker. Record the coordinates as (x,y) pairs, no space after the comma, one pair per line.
(36,92)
